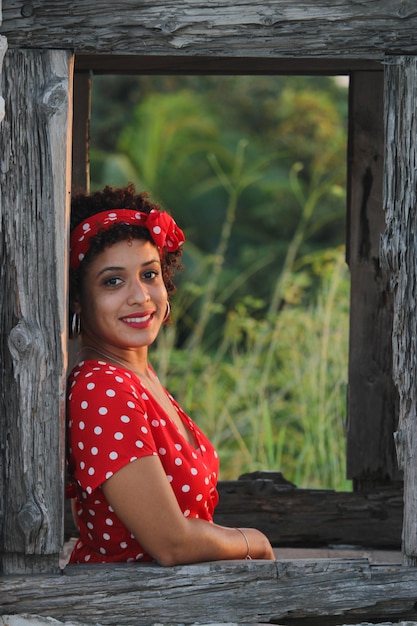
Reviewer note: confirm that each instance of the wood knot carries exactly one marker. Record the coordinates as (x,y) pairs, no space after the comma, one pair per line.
(27,10)
(30,521)
(20,340)
(54,99)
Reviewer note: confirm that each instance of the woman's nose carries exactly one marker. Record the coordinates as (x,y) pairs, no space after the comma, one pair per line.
(138,292)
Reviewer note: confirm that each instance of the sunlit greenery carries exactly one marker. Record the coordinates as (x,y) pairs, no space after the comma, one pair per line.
(253,169)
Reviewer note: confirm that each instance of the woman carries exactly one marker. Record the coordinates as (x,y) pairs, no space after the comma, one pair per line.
(143,474)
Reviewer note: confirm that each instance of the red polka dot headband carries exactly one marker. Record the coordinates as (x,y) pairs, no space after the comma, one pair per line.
(161,226)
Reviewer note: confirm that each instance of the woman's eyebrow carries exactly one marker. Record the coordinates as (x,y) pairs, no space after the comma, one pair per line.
(115,268)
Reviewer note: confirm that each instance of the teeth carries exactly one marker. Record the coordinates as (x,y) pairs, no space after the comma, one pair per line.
(136,320)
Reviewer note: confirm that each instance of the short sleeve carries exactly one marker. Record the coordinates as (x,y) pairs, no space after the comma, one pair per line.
(107,424)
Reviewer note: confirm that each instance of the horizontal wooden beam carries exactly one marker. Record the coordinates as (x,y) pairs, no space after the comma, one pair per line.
(313,517)
(302,592)
(215,65)
(310,28)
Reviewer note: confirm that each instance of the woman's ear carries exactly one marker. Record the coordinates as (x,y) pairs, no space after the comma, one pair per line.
(75,305)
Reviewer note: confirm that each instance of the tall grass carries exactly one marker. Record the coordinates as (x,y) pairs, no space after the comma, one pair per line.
(272,395)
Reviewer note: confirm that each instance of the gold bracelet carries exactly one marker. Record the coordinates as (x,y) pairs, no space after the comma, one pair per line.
(248,556)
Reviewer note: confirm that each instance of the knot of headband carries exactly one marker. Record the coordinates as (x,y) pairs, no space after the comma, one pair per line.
(164,231)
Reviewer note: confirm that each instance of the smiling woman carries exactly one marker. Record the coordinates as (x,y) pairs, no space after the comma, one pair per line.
(142,475)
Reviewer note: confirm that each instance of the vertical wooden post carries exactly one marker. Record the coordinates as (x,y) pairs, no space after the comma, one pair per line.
(399,248)
(372,397)
(81,132)
(3,48)
(35,149)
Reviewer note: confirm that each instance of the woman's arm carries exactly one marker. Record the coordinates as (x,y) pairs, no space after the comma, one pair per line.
(142,498)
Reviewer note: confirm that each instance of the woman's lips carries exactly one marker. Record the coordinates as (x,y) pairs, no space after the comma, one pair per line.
(138,320)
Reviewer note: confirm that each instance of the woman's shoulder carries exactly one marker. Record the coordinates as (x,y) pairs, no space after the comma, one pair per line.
(98,375)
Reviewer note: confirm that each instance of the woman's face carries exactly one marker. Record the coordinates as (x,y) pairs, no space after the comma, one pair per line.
(124,300)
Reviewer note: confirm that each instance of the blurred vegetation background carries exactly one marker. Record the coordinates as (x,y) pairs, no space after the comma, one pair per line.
(253,168)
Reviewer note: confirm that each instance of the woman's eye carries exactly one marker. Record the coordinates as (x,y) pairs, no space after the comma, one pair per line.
(150,275)
(113,281)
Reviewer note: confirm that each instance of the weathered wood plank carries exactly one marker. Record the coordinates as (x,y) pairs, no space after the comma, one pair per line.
(278,28)
(290,592)
(81,132)
(34,178)
(220,65)
(304,517)
(399,250)
(3,48)
(372,397)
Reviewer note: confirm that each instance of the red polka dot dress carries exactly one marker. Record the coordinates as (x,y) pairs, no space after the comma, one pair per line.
(112,421)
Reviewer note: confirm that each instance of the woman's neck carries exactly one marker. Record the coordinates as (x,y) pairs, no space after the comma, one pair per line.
(130,360)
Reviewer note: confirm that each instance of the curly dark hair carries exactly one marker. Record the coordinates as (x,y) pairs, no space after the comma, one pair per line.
(85,205)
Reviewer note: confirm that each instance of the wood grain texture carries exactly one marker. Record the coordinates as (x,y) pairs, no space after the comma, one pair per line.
(372,400)
(3,48)
(307,517)
(329,591)
(278,28)
(399,253)
(34,145)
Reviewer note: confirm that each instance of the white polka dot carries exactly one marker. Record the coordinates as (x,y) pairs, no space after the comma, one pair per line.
(110,393)
(194,471)
(185,488)
(81,445)
(178,446)
(163,422)
(98,430)
(131,404)
(123,545)
(144,430)
(106,536)
(178,461)
(102,551)
(133,458)
(91,471)
(139,443)
(109,474)
(155,423)
(103,410)
(109,521)
(170,479)
(90,525)
(125,419)
(118,436)
(84,404)
(92,512)
(162,451)
(87,557)
(187,513)
(94,451)
(81,425)
(82,465)
(113,456)
(145,396)
(156,230)
(199,497)
(91,386)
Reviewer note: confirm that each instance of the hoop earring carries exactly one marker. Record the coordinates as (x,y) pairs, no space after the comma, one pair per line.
(168,312)
(75,325)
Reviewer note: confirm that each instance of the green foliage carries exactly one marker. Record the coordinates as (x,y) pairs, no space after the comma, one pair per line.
(253,169)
